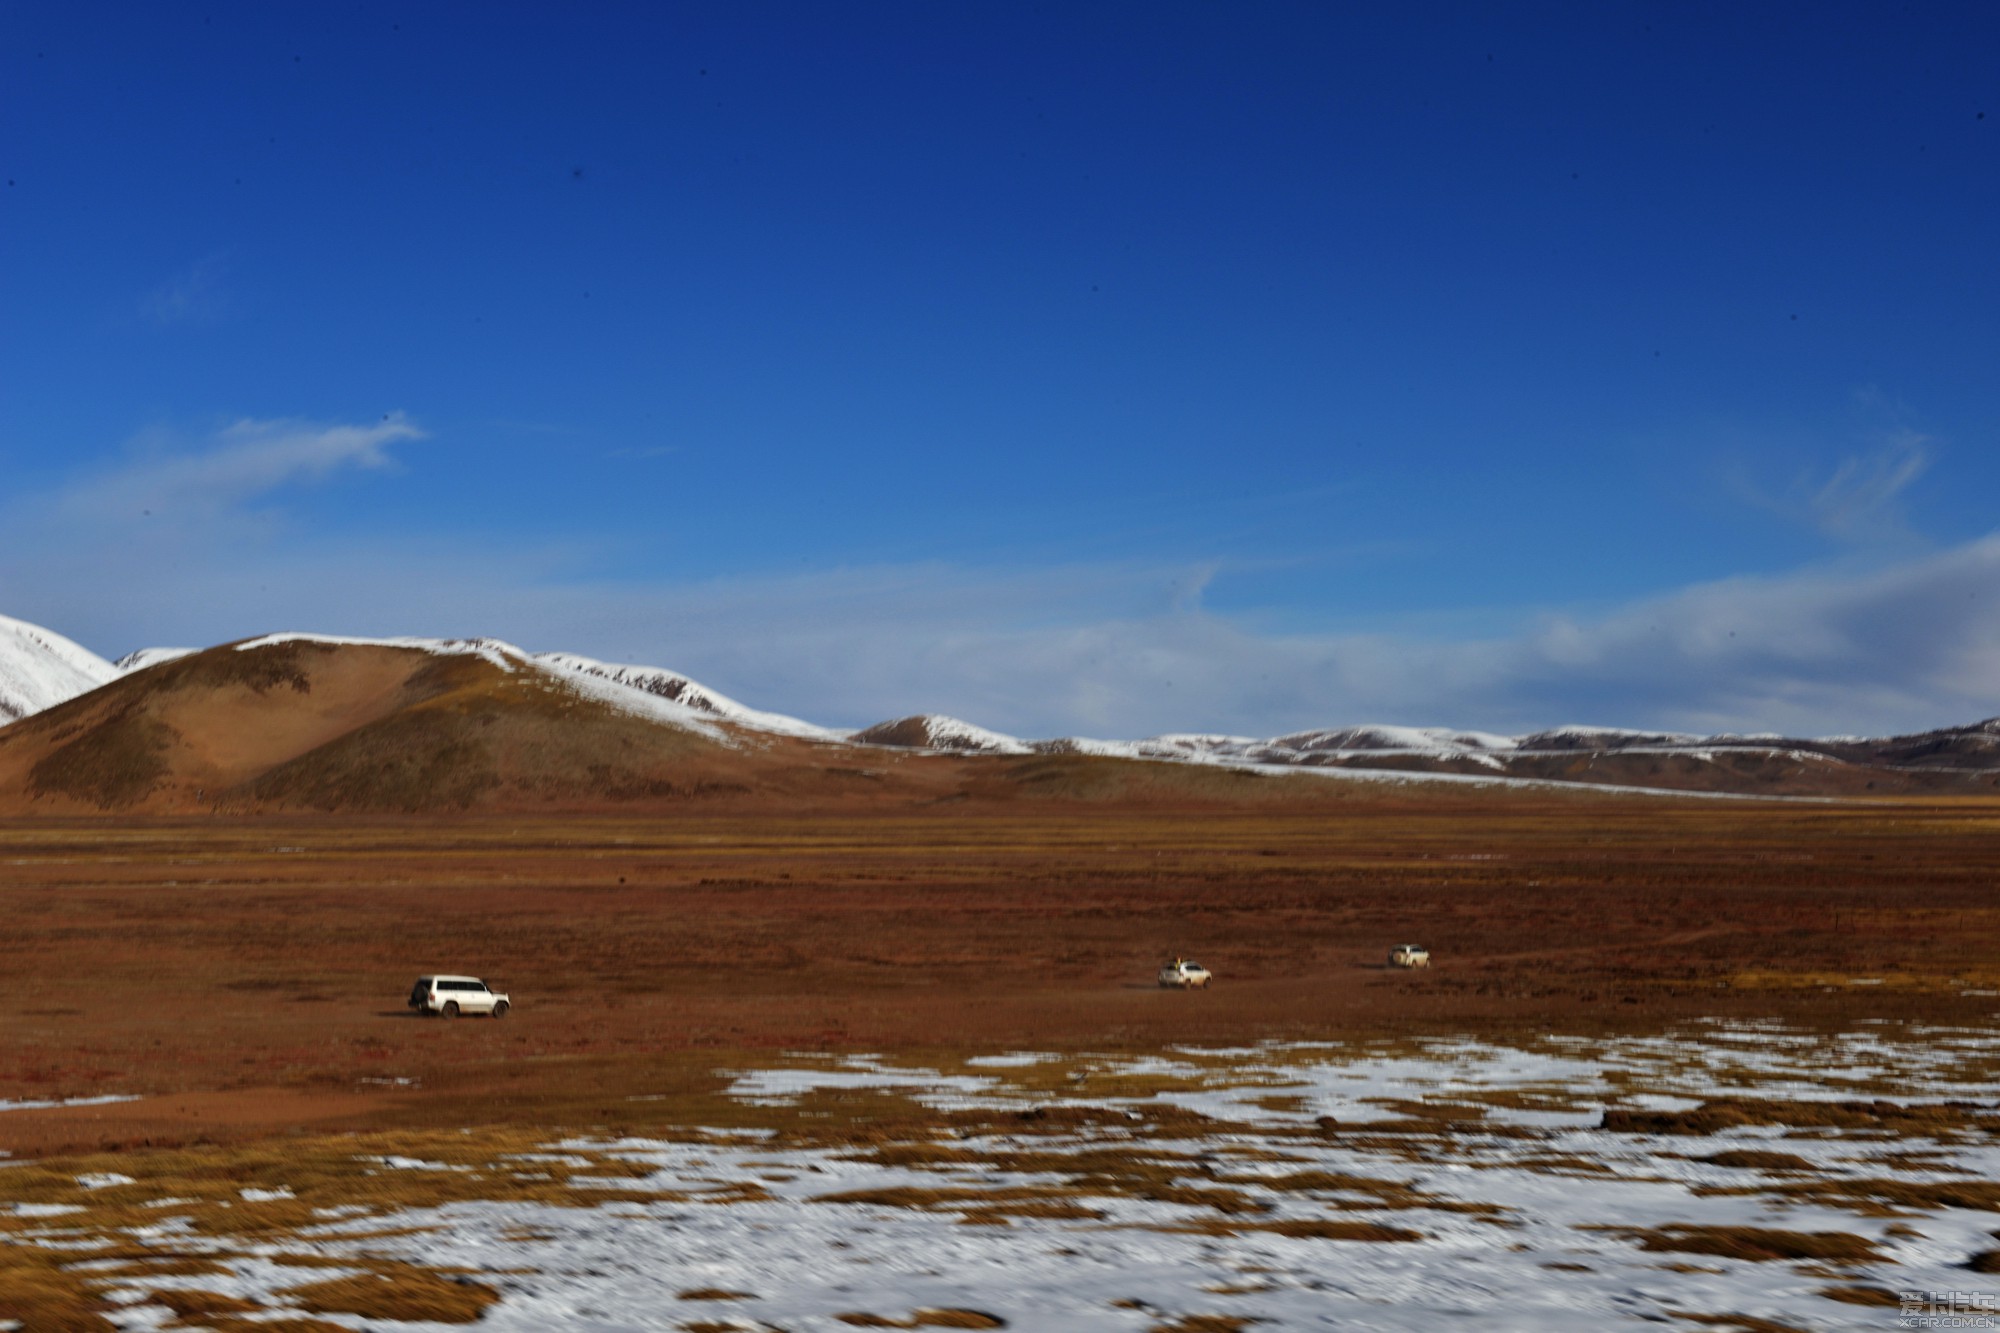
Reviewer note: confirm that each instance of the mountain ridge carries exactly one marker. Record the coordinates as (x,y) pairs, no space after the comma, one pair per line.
(40,671)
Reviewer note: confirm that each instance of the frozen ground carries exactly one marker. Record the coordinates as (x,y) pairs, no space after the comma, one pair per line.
(1385,1186)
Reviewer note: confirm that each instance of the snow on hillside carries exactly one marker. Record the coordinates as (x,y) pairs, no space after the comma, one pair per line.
(1407,740)
(1574,737)
(949,733)
(676,688)
(150,657)
(1299,747)
(40,669)
(589,684)
(933,731)
(500,653)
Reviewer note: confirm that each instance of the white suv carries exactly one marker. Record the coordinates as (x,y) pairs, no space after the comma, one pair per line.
(452,996)
(1409,955)
(1185,973)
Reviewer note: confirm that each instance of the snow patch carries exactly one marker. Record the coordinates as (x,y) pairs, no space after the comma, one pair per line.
(72,1101)
(501,654)
(151,657)
(1526,1228)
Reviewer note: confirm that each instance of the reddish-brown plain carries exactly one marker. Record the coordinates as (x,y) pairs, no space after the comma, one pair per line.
(246,976)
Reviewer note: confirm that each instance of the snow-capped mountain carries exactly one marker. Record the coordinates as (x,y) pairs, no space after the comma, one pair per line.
(40,669)
(628,689)
(930,731)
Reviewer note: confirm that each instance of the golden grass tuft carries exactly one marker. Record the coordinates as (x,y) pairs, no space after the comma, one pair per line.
(1051,1209)
(1303,1228)
(1861,1295)
(1377,1193)
(1879,1195)
(37,1294)
(1755,1244)
(189,1304)
(401,1292)
(1738,1323)
(1315,1229)
(1922,1120)
(1750,1159)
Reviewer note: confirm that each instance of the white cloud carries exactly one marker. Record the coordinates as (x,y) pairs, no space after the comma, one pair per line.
(1860,501)
(245,461)
(1108,649)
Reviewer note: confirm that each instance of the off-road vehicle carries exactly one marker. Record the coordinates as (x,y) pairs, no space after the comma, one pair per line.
(449,997)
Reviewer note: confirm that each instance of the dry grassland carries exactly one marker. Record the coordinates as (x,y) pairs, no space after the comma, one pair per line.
(247,976)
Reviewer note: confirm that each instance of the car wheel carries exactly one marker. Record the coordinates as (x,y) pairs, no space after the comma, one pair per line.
(500,1009)
(450,1009)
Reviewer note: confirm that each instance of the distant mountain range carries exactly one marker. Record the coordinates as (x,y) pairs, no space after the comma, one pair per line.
(316,721)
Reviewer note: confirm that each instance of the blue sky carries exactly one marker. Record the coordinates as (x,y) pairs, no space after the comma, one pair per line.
(1104,368)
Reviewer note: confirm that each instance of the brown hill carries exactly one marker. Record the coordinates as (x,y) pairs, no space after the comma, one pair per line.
(304,724)
(315,725)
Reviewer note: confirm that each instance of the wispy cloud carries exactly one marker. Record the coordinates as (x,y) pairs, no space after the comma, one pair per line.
(1087,648)
(195,295)
(1861,499)
(240,463)
(1858,499)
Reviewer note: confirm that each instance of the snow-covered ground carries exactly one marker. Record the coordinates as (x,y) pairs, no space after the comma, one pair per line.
(1511,1207)
(67,1101)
